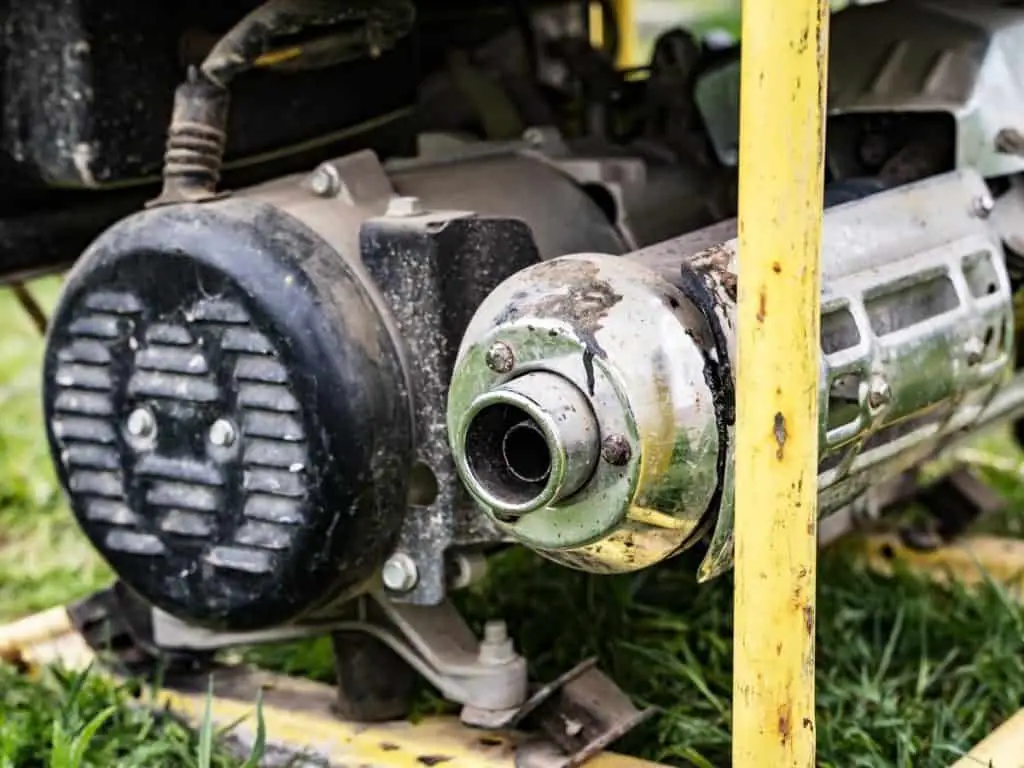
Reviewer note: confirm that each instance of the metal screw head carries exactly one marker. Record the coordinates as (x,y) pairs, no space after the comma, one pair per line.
(404,206)
(325,181)
(141,423)
(983,206)
(500,357)
(400,573)
(974,349)
(222,433)
(616,451)
(879,392)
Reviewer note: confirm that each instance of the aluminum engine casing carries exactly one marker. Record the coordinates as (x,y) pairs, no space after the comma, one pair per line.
(945,57)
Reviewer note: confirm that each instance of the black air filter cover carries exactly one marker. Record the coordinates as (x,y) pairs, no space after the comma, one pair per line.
(228,413)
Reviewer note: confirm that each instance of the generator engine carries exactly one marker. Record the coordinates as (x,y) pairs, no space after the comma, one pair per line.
(316,403)
(245,395)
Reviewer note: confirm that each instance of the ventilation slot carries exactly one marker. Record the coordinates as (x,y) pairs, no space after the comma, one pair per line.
(838,332)
(980,273)
(902,306)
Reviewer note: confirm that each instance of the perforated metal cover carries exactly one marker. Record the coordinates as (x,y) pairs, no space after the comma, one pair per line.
(210,422)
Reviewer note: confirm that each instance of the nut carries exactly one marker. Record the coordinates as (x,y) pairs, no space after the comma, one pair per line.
(496,647)
(616,451)
(404,206)
(141,423)
(325,181)
(500,357)
(879,392)
(223,433)
(400,573)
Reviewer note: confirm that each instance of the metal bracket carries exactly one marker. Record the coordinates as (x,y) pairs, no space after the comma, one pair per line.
(580,713)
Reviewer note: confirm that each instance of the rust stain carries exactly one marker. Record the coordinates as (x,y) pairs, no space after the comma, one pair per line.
(779,428)
(776,268)
(430,760)
(785,727)
(761,300)
(809,619)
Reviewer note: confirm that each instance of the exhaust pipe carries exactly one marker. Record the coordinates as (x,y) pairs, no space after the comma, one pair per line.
(530,442)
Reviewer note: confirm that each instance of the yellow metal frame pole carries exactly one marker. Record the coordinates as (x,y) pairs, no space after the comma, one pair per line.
(625,16)
(783,86)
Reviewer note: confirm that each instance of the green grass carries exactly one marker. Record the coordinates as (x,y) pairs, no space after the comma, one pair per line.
(909,674)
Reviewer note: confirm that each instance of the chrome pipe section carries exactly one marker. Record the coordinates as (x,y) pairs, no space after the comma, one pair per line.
(916,338)
(609,363)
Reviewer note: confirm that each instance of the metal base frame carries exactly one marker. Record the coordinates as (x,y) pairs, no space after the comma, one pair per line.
(298,714)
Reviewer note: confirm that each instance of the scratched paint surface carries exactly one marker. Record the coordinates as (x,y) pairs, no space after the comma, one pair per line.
(781,148)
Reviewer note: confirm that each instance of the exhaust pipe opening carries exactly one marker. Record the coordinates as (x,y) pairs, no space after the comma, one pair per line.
(508,454)
(528,444)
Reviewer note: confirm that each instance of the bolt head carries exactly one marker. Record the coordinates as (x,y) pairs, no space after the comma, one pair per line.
(534,137)
(879,392)
(500,357)
(400,573)
(404,206)
(141,423)
(984,205)
(222,433)
(325,181)
(616,450)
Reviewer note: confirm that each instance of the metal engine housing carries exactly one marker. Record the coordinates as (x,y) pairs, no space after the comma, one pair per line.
(245,397)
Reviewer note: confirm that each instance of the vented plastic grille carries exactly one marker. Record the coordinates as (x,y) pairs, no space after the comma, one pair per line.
(170,489)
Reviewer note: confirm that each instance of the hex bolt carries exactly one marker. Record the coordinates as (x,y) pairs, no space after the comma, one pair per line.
(222,433)
(400,573)
(496,647)
(983,206)
(325,181)
(495,631)
(500,357)
(974,349)
(404,206)
(534,137)
(141,423)
(616,451)
(879,392)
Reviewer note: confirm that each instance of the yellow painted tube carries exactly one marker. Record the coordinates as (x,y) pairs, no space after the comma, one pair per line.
(625,17)
(783,65)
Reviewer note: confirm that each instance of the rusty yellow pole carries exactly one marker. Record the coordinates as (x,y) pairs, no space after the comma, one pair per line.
(784,61)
